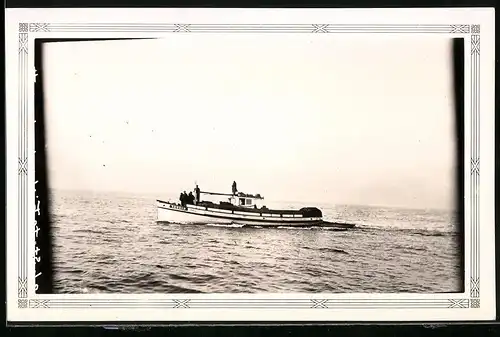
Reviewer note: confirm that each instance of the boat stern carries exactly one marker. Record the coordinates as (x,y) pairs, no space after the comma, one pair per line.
(311,212)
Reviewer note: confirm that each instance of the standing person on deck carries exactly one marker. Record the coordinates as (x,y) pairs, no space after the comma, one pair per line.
(191,198)
(184,198)
(197,194)
(235,190)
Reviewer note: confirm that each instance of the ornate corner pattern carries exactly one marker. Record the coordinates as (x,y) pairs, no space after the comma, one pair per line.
(460,29)
(39,27)
(22,303)
(460,303)
(22,287)
(474,287)
(475,45)
(23,27)
(23,43)
(39,303)
(475,303)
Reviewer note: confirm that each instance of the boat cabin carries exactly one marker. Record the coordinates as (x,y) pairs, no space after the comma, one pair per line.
(246,200)
(239,199)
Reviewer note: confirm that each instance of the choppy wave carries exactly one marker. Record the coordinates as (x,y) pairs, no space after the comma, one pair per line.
(111,249)
(326,249)
(411,231)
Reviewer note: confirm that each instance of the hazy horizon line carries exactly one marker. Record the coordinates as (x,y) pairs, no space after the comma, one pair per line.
(157,195)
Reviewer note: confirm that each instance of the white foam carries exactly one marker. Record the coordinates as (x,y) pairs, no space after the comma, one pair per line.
(295,228)
(224,225)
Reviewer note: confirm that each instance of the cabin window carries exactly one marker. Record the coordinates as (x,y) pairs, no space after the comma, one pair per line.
(249,201)
(242,201)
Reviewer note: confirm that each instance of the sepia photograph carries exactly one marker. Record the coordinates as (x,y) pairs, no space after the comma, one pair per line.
(194,166)
(245,164)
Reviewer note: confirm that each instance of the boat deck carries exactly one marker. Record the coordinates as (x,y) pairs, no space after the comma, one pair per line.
(230,207)
(263,210)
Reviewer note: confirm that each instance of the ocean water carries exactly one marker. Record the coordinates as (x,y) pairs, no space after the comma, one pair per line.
(109,243)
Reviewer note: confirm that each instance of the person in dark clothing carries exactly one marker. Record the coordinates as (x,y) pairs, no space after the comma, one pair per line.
(184,198)
(181,198)
(197,193)
(235,189)
(190,198)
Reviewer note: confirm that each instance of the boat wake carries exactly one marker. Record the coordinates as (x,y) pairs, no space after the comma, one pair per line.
(294,228)
(234,225)
(410,231)
(333,229)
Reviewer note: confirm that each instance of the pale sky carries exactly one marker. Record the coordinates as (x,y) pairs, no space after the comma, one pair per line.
(310,118)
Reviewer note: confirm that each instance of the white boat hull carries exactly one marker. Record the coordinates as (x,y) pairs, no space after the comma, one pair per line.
(166,215)
(192,214)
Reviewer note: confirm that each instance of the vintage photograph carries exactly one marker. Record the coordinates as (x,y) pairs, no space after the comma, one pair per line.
(244,164)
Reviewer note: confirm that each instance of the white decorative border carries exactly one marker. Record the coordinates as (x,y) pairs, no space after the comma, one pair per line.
(27,299)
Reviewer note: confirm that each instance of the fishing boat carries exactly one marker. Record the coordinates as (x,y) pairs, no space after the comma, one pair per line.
(241,209)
